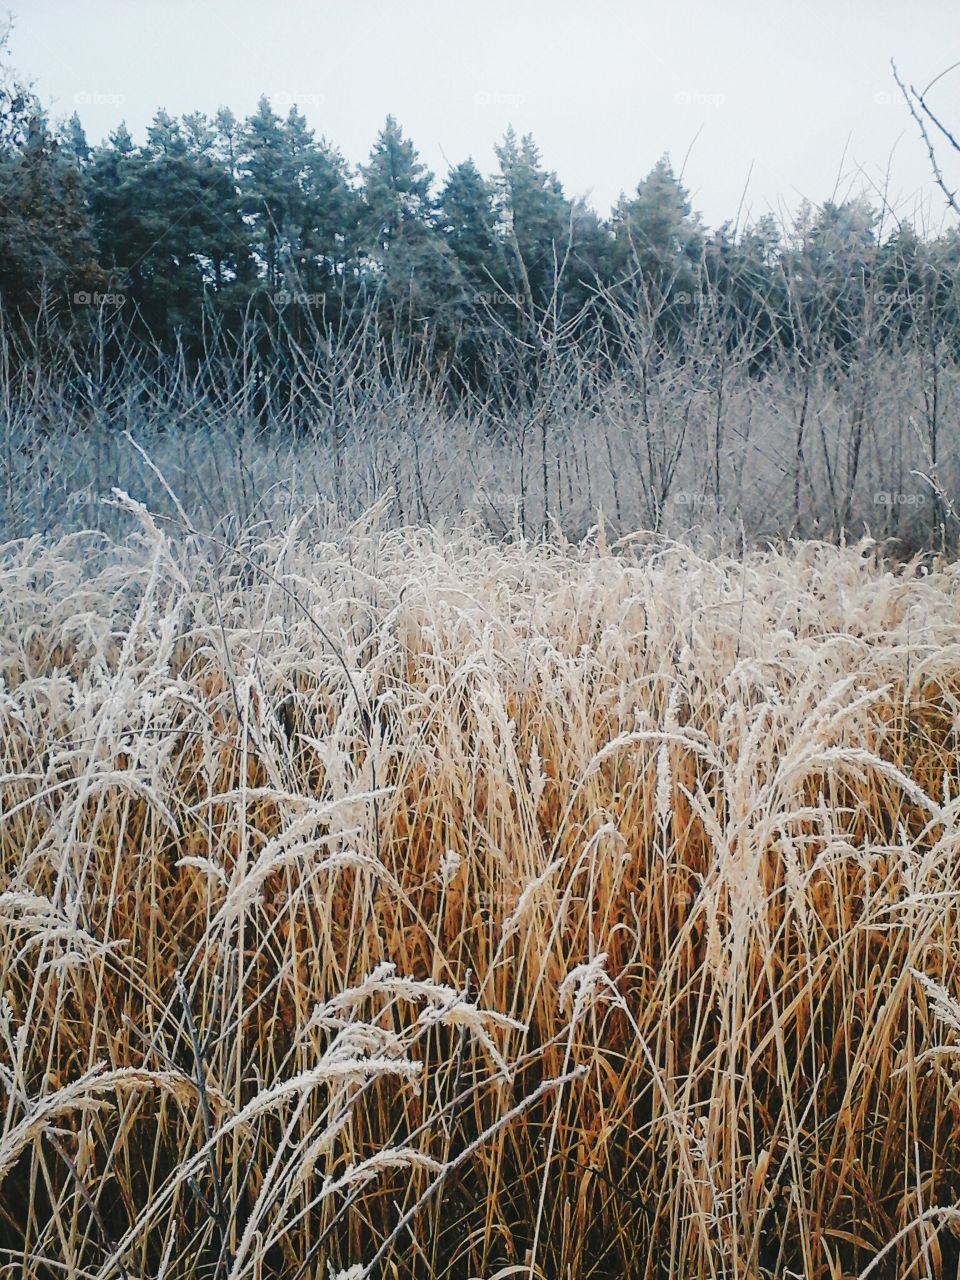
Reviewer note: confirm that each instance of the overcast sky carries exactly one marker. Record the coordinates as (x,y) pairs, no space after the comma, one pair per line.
(801,92)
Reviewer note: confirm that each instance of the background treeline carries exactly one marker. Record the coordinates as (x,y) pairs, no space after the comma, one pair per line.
(211,220)
(266,319)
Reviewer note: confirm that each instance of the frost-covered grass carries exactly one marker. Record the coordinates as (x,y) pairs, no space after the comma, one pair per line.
(417,903)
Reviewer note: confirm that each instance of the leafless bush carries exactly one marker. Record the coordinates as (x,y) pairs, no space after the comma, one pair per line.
(697,442)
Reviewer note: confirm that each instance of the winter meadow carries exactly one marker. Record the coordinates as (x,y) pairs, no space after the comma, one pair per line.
(479,709)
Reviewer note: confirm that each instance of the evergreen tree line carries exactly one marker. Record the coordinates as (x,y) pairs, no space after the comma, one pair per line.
(210,223)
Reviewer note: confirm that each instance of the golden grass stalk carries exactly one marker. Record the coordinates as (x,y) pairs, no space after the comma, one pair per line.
(414,905)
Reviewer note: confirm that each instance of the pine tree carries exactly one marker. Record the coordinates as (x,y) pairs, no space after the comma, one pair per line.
(169,222)
(116,223)
(743,272)
(396,191)
(265,194)
(468,219)
(45,224)
(407,263)
(830,265)
(323,208)
(301,207)
(73,140)
(658,242)
(536,218)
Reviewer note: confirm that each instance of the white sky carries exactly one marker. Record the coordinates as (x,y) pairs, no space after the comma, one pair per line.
(801,92)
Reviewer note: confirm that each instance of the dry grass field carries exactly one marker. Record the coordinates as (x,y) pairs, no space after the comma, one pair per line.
(406,904)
